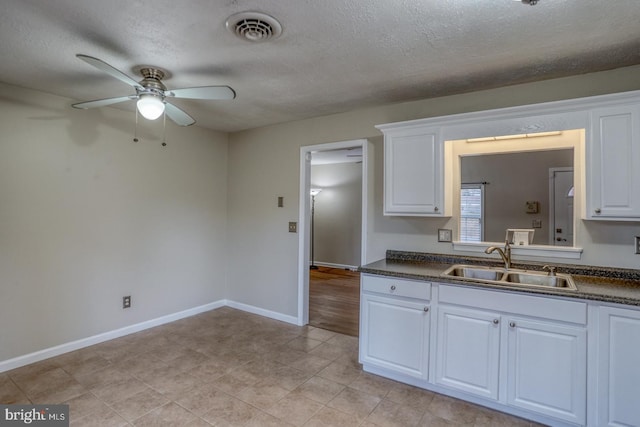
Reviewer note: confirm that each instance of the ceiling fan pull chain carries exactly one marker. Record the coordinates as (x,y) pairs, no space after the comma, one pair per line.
(164,128)
(135,130)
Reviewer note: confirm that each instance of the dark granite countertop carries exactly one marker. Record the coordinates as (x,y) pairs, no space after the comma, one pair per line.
(621,286)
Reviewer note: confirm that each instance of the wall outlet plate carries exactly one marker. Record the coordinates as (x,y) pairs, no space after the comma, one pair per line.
(293,227)
(444,235)
(126,301)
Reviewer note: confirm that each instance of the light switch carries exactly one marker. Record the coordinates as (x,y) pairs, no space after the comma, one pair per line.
(280,201)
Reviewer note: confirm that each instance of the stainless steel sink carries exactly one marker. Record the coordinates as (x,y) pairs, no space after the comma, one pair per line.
(514,277)
(540,279)
(473,272)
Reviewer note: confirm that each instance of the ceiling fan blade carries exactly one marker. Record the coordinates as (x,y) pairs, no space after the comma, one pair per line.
(113,72)
(203,92)
(103,102)
(177,115)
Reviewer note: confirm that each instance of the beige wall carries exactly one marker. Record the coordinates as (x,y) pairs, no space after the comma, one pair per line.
(338,213)
(264,163)
(87,216)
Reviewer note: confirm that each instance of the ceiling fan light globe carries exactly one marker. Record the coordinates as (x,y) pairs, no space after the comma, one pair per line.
(151,107)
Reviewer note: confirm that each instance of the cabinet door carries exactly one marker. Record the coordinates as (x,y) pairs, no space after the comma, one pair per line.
(613,172)
(395,334)
(468,350)
(619,367)
(547,368)
(413,181)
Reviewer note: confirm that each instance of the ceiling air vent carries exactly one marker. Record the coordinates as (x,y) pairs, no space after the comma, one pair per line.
(254,26)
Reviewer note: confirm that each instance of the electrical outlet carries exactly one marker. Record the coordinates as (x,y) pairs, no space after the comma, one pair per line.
(293,227)
(126,301)
(637,245)
(444,235)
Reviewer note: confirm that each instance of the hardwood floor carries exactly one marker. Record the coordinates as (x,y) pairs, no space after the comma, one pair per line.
(334,300)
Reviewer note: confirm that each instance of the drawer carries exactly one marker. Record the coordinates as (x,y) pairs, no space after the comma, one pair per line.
(522,304)
(396,287)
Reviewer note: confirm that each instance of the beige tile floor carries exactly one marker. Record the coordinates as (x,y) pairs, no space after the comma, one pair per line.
(230,368)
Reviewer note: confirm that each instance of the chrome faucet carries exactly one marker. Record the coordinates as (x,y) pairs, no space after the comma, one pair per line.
(505,253)
(550,269)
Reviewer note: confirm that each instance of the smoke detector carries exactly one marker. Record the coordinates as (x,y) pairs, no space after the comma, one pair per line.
(254,26)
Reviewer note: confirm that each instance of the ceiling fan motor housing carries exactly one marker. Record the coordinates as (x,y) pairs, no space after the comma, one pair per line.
(152,81)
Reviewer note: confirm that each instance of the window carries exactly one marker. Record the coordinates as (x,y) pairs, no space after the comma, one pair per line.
(472,212)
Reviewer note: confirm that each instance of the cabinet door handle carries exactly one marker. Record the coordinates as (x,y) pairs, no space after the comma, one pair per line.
(393,287)
(512,324)
(496,321)
(598,210)
(426,309)
(435,209)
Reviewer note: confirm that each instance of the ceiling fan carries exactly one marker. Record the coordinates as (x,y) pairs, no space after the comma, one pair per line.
(151,94)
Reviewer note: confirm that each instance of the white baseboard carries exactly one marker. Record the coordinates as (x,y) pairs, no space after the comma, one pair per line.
(332,265)
(262,312)
(37,356)
(46,353)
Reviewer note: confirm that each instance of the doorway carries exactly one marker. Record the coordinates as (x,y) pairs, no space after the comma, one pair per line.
(336,235)
(331,273)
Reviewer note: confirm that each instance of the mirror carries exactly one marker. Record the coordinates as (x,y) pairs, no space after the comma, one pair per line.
(528,182)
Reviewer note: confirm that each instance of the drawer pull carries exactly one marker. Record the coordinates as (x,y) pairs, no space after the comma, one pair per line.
(512,324)
(426,309)
(496,321)
(598,210)
(393,287)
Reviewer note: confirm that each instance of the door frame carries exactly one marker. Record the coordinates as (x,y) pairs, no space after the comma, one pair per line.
(304,215)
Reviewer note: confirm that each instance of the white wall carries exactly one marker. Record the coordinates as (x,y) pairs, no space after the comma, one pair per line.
(338,213)
(264,163)
(87,216)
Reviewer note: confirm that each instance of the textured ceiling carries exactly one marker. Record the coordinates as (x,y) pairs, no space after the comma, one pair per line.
(333,55)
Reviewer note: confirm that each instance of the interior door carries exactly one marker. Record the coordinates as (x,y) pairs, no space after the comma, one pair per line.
(561,206)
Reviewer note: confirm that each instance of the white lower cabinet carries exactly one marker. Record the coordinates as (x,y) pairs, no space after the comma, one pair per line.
(526,351)
(547,368)
(468,350)
(394,325)
(618,367)
(526,354)
(546,362)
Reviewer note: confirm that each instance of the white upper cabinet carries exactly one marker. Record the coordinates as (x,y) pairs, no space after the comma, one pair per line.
(613,172)
(414,154)
(413,171)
